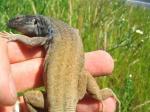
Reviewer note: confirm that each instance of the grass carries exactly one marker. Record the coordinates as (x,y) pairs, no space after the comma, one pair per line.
(120,29)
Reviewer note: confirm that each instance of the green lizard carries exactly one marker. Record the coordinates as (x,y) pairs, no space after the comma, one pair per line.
(65,78)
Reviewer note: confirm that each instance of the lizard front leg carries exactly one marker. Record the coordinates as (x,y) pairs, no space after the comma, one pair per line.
(98,94)
(33,41)
(33,99)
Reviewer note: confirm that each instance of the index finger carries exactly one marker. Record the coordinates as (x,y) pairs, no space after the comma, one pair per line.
(19,52)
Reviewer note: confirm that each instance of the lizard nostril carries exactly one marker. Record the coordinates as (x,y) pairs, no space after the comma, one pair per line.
(9,24)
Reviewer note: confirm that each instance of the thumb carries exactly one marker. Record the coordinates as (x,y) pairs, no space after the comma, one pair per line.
(7,87)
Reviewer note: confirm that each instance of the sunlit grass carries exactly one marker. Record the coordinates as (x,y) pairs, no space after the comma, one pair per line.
(122,30)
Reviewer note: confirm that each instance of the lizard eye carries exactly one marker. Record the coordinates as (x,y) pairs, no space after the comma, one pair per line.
(35,21)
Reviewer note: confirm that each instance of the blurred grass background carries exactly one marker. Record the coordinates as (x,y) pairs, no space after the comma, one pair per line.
(120,29)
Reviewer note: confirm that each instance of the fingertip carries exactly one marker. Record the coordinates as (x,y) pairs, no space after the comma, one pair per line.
(109,105)
(99,62)
(88,104)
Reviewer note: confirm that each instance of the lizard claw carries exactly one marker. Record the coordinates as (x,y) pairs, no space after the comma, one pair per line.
(8,36)
(4,35)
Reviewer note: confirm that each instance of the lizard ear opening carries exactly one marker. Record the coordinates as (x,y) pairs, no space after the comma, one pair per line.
(34,21)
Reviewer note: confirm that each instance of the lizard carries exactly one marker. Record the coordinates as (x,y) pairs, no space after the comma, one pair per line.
(65,78)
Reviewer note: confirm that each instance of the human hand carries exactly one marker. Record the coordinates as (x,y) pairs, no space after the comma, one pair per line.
(20,69)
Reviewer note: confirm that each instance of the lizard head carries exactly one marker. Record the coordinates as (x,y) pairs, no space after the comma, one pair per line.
(30,25)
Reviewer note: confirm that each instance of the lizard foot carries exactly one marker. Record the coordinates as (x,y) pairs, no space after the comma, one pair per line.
(34,100)
(9,36)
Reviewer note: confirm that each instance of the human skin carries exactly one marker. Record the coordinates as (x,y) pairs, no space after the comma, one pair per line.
(21,68)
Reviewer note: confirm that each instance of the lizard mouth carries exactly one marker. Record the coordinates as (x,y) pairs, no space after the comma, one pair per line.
(11,24)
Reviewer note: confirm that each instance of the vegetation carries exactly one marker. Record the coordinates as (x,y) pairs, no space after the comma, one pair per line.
(122,30)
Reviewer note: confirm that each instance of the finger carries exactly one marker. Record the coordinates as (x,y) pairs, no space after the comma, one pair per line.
(7,87)
(99,63)
(18,52)
(89,104)
(28,74)
(109,105)
(32,70)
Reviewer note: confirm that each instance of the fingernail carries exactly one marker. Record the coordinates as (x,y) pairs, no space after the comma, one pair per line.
(12,89)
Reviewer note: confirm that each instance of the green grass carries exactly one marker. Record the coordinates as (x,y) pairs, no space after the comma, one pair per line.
(112,26)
